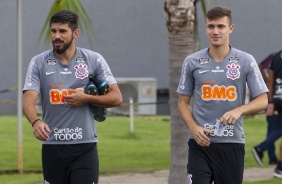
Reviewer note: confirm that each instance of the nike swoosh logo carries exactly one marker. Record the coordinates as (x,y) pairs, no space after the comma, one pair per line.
(48,73)
(203,71)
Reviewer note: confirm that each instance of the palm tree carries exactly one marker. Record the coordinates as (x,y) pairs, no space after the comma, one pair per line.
(181,22)
(72,5)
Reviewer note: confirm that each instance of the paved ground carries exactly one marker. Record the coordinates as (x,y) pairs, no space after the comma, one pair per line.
(161,177)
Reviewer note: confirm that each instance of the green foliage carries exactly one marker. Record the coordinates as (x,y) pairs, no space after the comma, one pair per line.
(204,7)
(72,5)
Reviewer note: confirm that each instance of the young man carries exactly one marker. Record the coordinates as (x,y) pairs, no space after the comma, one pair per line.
(274,125)
(275,78)
(217,76)
(68,130)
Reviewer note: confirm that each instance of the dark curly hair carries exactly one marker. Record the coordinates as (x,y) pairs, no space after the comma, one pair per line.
(66,17)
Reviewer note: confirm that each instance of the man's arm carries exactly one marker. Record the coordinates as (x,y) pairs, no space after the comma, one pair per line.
(270,82)
(112,99)
(261,68)
(199,133)
(40,129)
(29,101)
(257,104)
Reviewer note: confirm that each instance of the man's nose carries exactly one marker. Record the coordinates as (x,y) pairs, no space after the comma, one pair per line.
(56,35)
(215,30)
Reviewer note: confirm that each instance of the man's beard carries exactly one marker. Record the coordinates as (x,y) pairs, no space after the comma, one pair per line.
(64,48)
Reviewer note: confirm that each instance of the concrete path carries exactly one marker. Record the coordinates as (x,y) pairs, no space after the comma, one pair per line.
(161,177)
(259,174)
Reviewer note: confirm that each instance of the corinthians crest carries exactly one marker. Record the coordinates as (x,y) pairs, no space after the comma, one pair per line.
(233,71)
(81,71)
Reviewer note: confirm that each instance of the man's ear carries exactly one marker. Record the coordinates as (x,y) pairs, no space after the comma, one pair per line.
(76,33)
(231,27)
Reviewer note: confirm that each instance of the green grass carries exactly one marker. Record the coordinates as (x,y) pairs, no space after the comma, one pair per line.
(255,132)
(21,178)
(146,150)
(273,181)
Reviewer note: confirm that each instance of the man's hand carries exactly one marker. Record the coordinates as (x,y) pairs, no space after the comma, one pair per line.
(270,109)
(199,134)
(41,130)
(76,98)
(230,117)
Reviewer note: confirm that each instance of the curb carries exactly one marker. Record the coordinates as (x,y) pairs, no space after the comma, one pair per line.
(161,177)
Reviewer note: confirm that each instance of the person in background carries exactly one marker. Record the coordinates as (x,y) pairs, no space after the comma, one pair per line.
(274,126)
(275,103)
(68,130)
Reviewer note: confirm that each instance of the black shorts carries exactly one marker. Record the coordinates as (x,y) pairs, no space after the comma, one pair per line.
(220,163)
(70,164)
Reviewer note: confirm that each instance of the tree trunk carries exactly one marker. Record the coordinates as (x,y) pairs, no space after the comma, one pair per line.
(180,20)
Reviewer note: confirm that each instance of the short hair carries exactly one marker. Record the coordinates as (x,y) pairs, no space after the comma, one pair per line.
(65,17)
(218,12)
